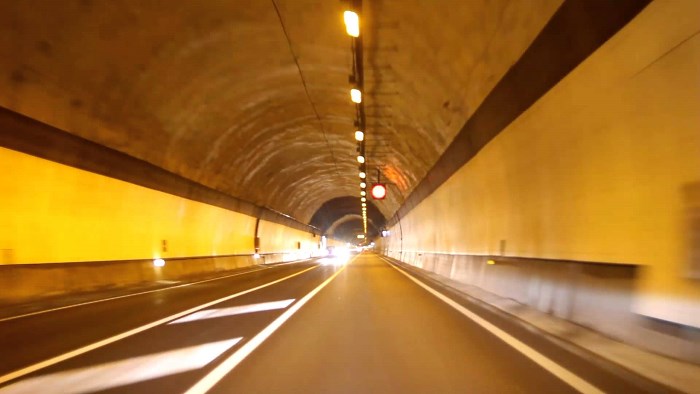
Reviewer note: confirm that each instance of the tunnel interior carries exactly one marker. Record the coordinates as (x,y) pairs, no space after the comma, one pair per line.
(250,98)
(542,155)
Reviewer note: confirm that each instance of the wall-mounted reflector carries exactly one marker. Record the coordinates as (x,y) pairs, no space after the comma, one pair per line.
(356,96)
(352,23)
(359,136)
(158,262)
(360,159)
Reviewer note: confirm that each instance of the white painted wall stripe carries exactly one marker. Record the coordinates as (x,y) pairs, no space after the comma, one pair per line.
(548,364)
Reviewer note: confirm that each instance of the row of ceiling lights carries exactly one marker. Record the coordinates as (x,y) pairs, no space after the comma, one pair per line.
(352,27)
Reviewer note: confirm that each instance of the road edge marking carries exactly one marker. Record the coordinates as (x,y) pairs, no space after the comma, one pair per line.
(563,374)
(214,377)
(73,353)
(126,295)
(262,268)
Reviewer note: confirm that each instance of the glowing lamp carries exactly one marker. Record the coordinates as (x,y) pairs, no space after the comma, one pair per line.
(360,159)
(352,23)
(378,191)
(355,96)
(363,185)
(359,136)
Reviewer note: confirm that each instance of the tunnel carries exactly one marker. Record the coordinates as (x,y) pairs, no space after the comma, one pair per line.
(348,196)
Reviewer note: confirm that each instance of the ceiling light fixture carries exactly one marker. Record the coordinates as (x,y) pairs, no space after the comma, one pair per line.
(352,23)
(356,96)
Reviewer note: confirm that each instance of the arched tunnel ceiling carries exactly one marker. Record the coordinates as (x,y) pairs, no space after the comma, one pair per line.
(210,90)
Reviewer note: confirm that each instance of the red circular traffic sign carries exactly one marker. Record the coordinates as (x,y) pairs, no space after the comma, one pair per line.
(378,191)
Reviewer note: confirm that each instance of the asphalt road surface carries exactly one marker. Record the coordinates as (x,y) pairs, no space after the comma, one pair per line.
(359,324)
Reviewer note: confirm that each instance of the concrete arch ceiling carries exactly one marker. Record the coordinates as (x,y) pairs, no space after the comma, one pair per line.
(210,90)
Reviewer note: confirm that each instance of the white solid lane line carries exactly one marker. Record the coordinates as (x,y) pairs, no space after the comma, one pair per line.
(262,267)
(126,295)
(233,311)
(545,362)
(123,372)
(270,265)
(115,338)
(213,377)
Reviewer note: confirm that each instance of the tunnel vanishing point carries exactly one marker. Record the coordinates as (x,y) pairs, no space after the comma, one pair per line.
(544,152)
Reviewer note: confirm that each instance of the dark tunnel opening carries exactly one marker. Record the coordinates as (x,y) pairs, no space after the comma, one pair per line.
(336,209)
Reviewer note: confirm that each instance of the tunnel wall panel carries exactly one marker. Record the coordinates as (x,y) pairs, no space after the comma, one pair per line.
(66,230)
(597,171)
(27,135)
(286,243)
(55,213)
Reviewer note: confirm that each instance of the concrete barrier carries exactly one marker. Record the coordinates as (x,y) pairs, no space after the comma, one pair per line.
(594,295)
(27,282)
